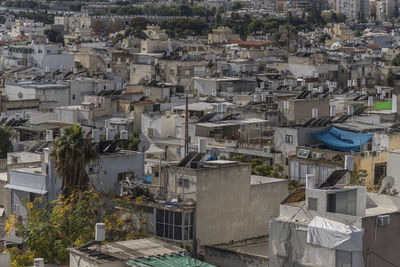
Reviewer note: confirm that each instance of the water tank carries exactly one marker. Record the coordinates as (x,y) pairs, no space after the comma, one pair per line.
(314,113)
(350,110)
(96,135)
(49,135)
(100,233)
(124,134)
(321,89)
(17,116)
(27,116)
(38,262)
(370,101)
(110,134)
(213,92)
(348,162)
(256,98)
(394,103)
(332,110)
(202,145)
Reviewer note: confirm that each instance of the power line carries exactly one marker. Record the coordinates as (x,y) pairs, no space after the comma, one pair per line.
(385,260)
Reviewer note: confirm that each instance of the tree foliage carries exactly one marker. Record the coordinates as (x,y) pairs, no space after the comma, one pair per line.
(396,60)
(72,153)
(260,168)
(183,27)
(70,221)
(5,142)
(54,36)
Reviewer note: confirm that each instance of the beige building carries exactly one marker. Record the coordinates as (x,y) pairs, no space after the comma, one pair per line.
(222,35)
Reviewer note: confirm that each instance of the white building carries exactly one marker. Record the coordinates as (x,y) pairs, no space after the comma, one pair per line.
(48,57)
(353,9)
(27,27)
(50,95)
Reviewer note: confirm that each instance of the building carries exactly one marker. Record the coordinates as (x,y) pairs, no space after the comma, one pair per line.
(353,9)
(335,225)
(140,252)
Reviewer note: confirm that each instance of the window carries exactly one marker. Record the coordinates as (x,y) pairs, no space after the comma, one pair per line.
(312,203)
(289,138)
(182,182)
(331,203)
(73,97)
(174,225)
(379,172)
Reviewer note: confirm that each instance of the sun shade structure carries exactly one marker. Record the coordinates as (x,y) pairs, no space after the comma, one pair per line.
(341,140)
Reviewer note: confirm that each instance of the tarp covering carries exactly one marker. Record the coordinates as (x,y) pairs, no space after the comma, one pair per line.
(343,140)
(334,235)
(383,105)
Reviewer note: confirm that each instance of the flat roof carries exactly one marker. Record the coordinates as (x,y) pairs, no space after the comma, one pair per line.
(256,179)
(231,122)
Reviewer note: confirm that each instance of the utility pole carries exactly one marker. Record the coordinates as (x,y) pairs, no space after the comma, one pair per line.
(187,124)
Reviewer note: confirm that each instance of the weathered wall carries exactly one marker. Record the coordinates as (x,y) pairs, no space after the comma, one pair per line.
(228,258)
(386,244)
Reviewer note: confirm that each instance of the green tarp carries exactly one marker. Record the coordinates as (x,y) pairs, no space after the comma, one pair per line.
(387,105)
(177,260)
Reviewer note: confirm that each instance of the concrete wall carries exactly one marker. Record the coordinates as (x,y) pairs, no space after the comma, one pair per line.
(228,258)
(106,178)
(386,244)
(222,204)
(264,204)
(295,239)
(229,208)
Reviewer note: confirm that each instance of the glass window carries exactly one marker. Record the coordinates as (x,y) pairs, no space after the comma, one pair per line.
(160,215)
(177,218)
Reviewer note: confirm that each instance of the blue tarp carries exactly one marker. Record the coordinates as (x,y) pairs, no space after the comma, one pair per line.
(343,140)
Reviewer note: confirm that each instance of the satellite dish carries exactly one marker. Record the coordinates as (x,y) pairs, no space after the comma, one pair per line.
(20,95)
(387,183)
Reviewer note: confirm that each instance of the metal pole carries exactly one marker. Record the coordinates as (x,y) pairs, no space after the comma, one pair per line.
(187,125)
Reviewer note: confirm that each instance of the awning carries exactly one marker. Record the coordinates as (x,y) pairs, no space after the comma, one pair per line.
(343,140)
(26,189)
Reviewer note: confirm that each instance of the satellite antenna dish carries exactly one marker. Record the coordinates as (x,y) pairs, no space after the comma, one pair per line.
(387,183)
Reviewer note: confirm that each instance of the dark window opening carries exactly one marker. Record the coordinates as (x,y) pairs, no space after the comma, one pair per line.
(331,203)
(379,172)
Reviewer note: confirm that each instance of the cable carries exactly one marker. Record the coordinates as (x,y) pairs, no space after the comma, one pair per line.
(385,260)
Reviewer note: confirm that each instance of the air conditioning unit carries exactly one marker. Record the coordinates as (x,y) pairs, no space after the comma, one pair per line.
(316,155)
(383,220)
(267,149)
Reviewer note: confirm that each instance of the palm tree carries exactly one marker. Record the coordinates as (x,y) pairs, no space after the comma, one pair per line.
(5,142)
(72,153)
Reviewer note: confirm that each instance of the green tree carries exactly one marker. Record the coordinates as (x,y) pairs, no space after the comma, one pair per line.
(70,221)
(236,6)
(5,142)
(72,153)
(54,36)
(396,60)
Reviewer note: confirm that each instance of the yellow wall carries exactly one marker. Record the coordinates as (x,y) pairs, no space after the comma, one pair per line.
(368,163)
